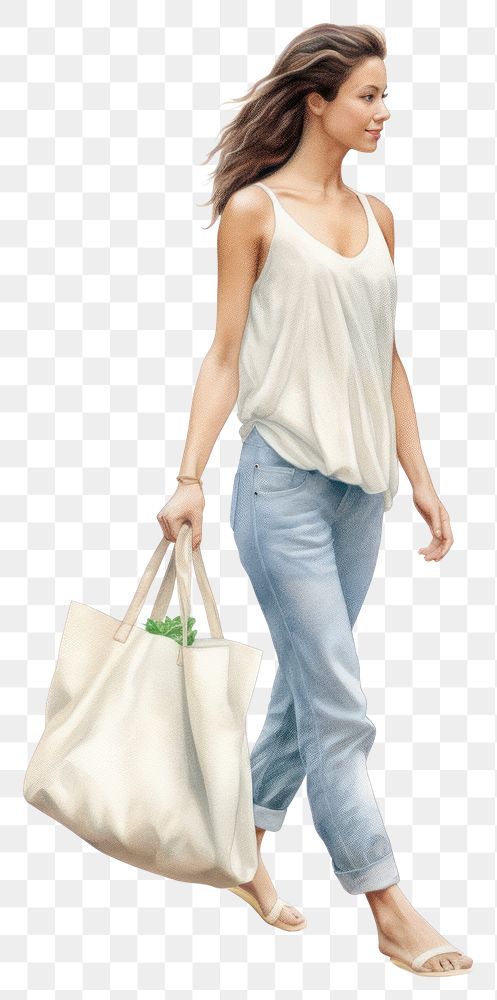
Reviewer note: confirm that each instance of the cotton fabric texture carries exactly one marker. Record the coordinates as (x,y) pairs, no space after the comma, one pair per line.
(315,361)
(309,545)
(144,754)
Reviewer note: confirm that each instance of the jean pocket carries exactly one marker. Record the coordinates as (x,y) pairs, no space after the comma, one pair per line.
(279,479)
(234,497)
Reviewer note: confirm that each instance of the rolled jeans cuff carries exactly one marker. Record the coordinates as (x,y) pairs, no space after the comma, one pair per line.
(379,875)
(268,819)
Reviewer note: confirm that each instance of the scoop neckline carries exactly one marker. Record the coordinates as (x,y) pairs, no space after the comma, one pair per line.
(314,239)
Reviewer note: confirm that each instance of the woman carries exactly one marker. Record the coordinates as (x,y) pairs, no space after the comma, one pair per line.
(305,345)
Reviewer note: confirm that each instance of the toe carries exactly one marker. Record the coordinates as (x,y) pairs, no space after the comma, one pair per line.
(431,965)
(290,915)
(448,961)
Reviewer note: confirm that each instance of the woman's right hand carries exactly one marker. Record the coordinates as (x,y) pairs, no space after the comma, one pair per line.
(186,504)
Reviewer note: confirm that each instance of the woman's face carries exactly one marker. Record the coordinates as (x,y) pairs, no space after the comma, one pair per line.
(358,107)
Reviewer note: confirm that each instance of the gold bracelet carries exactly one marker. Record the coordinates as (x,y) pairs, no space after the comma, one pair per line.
(191,479)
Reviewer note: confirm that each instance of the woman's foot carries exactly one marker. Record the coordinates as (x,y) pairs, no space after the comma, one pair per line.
(264,891)
(403,933)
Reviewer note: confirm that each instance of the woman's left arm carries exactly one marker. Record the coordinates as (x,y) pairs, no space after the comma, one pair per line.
(411,458)
(410,455)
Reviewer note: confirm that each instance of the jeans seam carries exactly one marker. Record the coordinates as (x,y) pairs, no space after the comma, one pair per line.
(234,499)
(279,743)
(286,716)
(268,576)
(343,501)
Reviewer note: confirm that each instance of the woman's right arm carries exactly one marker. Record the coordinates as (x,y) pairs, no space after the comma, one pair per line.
(216,388)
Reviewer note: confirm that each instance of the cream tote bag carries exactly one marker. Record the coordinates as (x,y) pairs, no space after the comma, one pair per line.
(144,754)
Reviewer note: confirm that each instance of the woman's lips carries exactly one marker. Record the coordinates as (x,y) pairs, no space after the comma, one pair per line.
(376,133)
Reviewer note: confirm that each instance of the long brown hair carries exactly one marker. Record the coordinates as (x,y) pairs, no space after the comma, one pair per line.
(267,129)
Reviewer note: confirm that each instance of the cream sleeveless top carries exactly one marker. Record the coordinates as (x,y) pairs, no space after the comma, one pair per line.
(315,361)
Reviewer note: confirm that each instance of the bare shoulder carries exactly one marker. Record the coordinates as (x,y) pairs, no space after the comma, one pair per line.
(245,232)
(238,250)
(385,220)
(247,208)
(381,210)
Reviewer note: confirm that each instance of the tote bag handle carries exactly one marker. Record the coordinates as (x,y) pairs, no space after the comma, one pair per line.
(183,572)
(163,599)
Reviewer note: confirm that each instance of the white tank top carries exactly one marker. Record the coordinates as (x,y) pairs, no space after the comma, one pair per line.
(316,355)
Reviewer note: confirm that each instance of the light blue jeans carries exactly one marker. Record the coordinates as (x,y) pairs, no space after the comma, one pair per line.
(309,545)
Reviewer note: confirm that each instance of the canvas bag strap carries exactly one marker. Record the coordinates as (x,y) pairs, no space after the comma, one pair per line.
(183,556)
(163,599)
(184,586)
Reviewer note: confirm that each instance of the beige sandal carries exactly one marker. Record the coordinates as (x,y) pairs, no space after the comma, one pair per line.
(430,953)
(273,916)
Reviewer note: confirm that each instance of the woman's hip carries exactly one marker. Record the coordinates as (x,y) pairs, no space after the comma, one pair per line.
(272,489)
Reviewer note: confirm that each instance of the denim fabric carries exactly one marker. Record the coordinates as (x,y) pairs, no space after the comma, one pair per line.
(309,545)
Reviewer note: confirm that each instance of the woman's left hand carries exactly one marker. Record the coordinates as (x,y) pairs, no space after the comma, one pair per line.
(429,505)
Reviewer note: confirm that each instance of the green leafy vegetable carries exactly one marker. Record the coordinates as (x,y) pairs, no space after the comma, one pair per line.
(173,628)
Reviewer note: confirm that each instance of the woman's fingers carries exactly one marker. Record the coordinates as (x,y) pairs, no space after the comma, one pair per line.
(439,546)
(172,528)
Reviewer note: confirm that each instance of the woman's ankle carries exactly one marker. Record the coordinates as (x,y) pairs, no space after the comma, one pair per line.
(388,903)
(259,833)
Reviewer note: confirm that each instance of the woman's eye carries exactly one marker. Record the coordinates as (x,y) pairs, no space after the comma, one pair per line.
(372,95)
